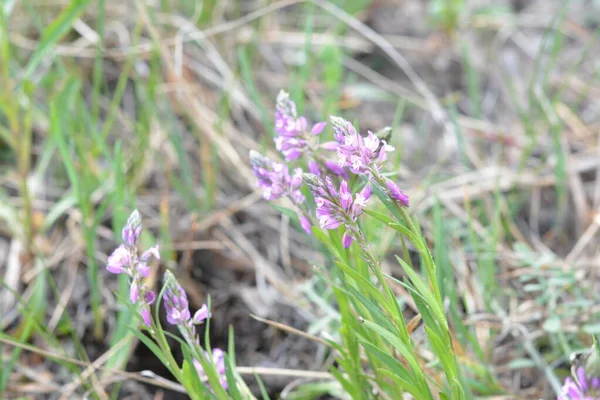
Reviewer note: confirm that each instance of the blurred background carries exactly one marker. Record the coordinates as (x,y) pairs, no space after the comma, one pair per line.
(107,106)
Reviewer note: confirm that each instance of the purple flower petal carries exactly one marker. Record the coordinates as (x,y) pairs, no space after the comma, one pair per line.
(118,261)
(134,292)
(313,168)
(318,128)
(201,315)
(152,251)
(143,269)
(397,194)
(346,240)
(150,297)
(145,313)
(305,223)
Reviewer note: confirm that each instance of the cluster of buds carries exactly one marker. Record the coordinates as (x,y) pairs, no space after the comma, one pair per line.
(126,260)
(337,207)
(177,306)
(582,387)
(360,155)
(275,179)
(293,136)
(365,156)
(178,314)
(276,182)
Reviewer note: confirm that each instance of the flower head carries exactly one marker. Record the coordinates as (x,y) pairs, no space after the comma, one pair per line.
(119,260)
(275,179)
(360,154)
(397,194)
(336,207)
(125,259)
(581,388)
(177,305)
(292,131)
(132,230)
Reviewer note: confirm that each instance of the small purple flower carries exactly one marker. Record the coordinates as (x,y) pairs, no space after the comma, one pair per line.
(397,194)
(145,314)
(305,223)
(201,315)
(119,260)
(336,207)
(152,251)
(126,260)
(330,146)
(143,269)
(289,128)
(336,169)
(132,230)
(318,128)
(150,297)
(583,388)
(292,131)
(134,292)
(346,240)
(218,358)
(177,306)
(360,154)
(313,168)
(275,179)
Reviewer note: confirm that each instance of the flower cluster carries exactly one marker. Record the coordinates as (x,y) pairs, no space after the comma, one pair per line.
(581,388)
(177,306)
(275,179)
(336,207)
(178,313)
(355,153)
(365,156)
(360,155)
(126,260)
(293,137)
(218,358)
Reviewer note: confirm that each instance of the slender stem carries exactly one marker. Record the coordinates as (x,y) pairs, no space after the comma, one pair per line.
(375,265)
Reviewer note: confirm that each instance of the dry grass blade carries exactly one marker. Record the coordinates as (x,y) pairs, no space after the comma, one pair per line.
(291,330)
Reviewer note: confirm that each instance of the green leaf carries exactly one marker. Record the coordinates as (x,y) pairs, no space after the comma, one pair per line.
(263,390)
(231,380)
(191,380)
(552,324)
(53,33)
(154,349)
(591,329)
(402,374)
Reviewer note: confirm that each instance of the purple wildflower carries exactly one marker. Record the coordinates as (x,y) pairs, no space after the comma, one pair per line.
(313,168)
(133,229)
(293,136)
(126,260)
(336,207)
(305,223)
(119,261)
(397,194)
(218,358)
(583,388)
(361,154)
(336,169)
(177,306)
(275,179)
